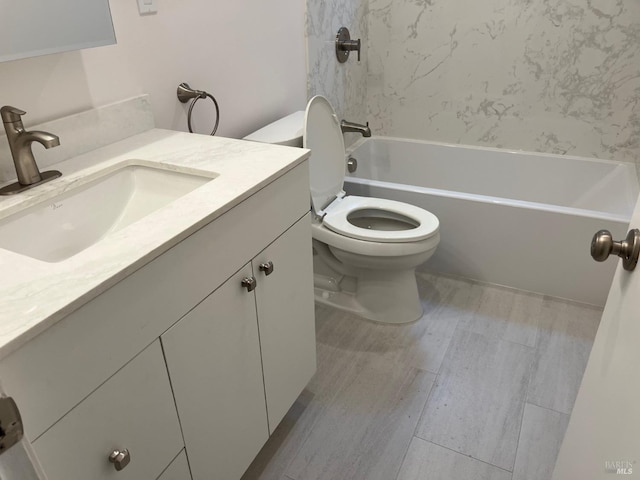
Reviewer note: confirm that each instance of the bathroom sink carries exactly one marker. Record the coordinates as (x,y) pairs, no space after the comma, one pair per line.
(80,216)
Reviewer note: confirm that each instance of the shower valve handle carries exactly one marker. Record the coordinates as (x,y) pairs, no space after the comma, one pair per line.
(603,245)
(344,45)
(351,45)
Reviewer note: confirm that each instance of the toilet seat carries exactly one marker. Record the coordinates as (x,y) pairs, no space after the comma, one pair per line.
(336,218)
(323,135)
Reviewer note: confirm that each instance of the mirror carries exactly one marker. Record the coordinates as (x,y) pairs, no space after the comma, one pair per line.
(29,28)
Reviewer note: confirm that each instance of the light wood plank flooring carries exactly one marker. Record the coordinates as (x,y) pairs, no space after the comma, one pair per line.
(481,387)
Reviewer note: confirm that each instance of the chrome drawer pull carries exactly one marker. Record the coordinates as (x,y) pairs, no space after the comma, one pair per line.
(267,268)
(120,458)
(249,283)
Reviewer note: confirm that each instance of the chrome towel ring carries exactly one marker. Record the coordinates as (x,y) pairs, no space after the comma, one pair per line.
(186,93)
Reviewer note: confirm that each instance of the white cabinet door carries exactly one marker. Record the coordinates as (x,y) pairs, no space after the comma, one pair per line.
(178,470)
(213,357)
(286,318)
(133,410)
(603,436)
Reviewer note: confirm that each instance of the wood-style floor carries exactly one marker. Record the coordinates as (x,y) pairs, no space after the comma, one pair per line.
(481,387)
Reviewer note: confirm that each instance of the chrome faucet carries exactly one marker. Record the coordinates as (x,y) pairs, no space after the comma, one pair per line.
(20,145)
(347,126)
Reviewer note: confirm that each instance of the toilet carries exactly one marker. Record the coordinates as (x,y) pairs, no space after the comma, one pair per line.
(365,249)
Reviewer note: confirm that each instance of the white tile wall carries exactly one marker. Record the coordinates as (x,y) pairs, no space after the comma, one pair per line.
(344,84)
(549,76)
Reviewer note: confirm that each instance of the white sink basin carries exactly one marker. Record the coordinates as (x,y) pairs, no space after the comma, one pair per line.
(68,223)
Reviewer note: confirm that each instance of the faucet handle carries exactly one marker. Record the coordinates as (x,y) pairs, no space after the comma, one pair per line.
(11,114)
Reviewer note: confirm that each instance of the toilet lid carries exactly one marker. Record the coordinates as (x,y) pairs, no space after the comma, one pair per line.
(425,223)
(323,136)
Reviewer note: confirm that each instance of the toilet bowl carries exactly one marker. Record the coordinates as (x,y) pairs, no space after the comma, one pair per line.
(366,249)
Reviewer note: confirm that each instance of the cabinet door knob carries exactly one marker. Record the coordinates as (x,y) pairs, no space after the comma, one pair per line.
(120,458)
(266,267)
(249,283)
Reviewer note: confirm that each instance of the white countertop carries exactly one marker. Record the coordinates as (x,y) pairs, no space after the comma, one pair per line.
(35,294)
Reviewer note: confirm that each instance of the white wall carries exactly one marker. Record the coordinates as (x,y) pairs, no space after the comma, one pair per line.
(250,54)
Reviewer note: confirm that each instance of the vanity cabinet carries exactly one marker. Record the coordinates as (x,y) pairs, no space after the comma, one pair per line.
(213,356)
(132,411)
(284,299)
(252,336)
(178,470)
(97,380)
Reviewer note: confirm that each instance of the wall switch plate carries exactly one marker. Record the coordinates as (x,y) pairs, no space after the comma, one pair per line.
(147,6)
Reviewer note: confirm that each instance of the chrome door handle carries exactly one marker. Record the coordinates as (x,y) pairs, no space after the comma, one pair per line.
(266,267)
(249,283)
(120,458)
(603,245)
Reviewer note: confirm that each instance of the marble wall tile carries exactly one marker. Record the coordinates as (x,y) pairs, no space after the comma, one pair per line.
(541,435)
(344,84)
(554,76)
(426,460)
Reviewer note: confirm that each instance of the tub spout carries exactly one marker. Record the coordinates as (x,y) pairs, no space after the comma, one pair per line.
(347,126)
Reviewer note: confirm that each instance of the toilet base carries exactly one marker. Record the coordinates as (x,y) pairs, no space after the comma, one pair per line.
(381,296)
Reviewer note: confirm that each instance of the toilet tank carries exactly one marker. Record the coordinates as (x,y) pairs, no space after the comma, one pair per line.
(285,131)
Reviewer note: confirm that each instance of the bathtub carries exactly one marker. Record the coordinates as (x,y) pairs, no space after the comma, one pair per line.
(523,220)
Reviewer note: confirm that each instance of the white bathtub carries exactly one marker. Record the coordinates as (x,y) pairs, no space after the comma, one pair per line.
(524,220)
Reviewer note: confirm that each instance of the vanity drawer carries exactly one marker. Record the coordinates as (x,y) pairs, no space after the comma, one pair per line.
(133,410)
(178,470)
(57,369)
